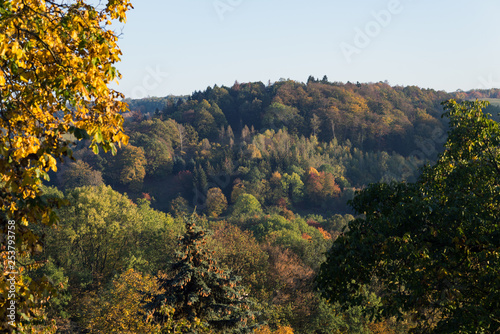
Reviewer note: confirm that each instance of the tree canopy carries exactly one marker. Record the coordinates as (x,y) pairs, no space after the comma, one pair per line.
(432,245)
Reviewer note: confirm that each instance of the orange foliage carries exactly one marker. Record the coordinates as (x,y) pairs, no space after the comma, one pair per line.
(381,328)
(326,234)
(276,177)
(306,236)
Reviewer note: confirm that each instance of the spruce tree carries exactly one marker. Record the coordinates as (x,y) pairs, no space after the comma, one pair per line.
(202,180)
(201,289)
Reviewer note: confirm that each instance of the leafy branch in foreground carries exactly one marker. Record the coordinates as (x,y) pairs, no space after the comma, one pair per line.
(56,61)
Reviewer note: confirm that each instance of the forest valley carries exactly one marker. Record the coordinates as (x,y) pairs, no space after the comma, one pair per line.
(318,207)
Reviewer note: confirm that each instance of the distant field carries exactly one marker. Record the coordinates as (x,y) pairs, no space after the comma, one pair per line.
(494,102)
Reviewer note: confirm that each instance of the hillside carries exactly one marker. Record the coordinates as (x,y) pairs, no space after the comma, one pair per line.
(269,169)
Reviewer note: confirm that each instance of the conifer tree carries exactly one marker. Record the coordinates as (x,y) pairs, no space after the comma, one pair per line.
(202,179)
(201,290)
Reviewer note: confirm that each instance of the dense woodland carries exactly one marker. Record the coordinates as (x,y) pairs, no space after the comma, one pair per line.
(218,214)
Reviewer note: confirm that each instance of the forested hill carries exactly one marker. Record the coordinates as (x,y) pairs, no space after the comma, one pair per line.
(255,135)
(372,116)
(269,170)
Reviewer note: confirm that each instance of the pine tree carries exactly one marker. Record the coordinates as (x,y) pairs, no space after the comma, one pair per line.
(201,289)
(202,179)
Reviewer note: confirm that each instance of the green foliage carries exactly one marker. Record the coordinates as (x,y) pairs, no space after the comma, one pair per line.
(278,115)
(157,153)
(294,187)
(240,251)
(60,301)
(127,168)
(329,318)
(201,289)
(432,244)
(246,204)
(179,206)
(271,224)
(297,150)
(99,235)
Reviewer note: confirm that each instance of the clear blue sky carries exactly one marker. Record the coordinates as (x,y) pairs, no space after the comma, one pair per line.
(179,46)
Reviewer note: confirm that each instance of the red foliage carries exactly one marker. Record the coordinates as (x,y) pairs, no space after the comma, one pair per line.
(313,223)
(184,177)
(281,203)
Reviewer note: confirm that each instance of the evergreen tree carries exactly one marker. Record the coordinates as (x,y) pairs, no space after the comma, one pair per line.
(179,165)
(191,165)
(201,289)
(202,179)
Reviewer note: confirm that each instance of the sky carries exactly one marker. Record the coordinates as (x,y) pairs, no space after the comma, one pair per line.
(181,46)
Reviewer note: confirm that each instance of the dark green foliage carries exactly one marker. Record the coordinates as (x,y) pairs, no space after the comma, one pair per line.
(179,206)
(179,165)
(201,289)
(434,244)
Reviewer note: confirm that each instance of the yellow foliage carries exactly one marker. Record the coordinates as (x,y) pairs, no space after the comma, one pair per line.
(254,152)
(381,328)
(279,330)
(306,236)
(119,310)
(56,61)
(312,171)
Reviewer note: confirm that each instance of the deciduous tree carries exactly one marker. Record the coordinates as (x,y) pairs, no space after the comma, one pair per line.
(216,202)
(434,244)
(56,61)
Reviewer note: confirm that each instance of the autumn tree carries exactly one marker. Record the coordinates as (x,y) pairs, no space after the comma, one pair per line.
(290,280)
(79,174)
(157,139)
(240,251)
(320,186)
(120,309)
(128,167)
(216,202)
(56,61)
(238,189)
